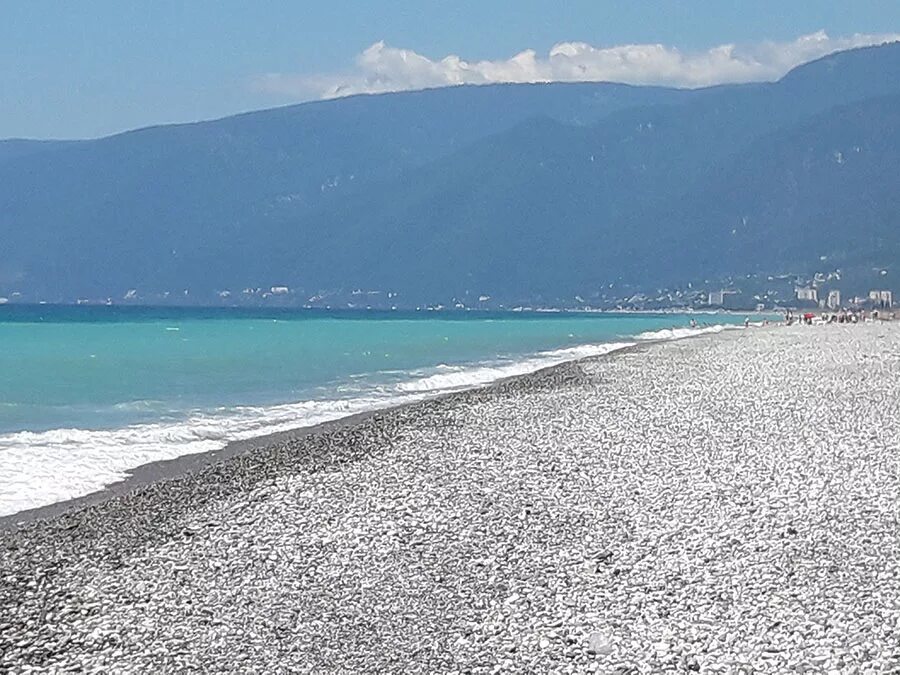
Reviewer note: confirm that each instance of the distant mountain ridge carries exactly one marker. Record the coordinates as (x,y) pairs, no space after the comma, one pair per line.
(513,191)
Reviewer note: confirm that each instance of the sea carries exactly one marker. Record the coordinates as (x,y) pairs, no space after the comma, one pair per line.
(89,393)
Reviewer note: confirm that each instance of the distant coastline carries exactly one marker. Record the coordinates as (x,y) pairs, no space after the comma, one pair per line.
(139,385)
(165,469)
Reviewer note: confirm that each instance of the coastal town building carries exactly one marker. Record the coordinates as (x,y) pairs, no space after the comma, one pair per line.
(834,299)
(807,294)
(881,298)
(729,298)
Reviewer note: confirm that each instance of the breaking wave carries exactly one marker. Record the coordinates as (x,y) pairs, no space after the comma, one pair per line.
(45,467)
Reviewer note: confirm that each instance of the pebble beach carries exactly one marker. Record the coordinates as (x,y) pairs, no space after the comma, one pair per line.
(722,504)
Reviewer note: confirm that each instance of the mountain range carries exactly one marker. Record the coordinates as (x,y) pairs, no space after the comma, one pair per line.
(520,192)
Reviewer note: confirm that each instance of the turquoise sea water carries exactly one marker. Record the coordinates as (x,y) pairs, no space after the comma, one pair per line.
(87,393)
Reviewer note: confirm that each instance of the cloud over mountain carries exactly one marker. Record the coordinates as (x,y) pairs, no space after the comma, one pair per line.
(382,68)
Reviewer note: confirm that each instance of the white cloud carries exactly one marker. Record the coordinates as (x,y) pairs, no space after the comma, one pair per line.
(382,68)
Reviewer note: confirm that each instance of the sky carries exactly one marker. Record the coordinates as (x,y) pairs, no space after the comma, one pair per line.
(95,67)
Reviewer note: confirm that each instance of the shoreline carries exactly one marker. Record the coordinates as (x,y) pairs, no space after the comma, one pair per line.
(177,467)
(668,509)
(126,475)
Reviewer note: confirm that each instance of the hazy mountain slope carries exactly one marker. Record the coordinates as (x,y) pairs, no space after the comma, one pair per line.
(642,196)
(14,148)
(150,206)
(517,190)
(826,189)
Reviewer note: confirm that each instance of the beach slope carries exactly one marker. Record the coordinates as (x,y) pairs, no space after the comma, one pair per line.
(712,504)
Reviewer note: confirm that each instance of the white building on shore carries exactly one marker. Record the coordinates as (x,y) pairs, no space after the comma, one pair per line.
(807,294)
(882,299)
(716,298)
(834,299)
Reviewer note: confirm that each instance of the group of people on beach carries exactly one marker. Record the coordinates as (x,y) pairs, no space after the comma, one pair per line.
(841,316)
(810,318)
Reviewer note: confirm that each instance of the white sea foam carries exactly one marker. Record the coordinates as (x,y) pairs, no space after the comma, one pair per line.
(452,378)
(40,468)
(679,333)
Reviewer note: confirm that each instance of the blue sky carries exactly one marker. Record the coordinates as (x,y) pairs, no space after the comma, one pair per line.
(95,67)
